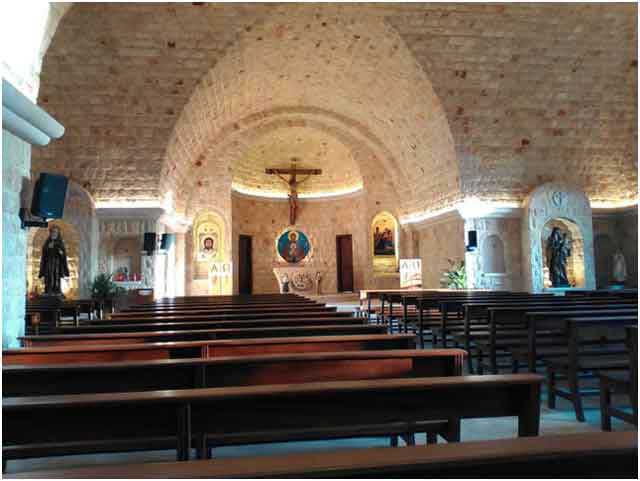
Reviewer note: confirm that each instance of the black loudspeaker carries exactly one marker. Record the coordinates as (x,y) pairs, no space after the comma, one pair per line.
(472,244)
(167,241)
(48,196)
(149,242)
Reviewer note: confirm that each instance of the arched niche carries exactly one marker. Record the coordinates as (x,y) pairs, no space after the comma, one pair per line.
(126,255)
(210,257)
(575,262)
(604,247)
(547,202)
(384,241)
(70,286)
(492,255)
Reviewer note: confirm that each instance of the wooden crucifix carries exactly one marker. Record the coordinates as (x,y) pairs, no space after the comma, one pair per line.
(293,184)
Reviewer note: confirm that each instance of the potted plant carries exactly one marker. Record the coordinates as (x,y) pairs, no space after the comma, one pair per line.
(455,277)
(104,290)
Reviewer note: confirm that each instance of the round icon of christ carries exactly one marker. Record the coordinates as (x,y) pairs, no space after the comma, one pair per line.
(293,246)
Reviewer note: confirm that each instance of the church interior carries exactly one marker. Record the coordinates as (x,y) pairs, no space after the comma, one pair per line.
(319,239)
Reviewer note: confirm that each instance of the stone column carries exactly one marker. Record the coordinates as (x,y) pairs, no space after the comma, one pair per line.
(180,263)
(16,164)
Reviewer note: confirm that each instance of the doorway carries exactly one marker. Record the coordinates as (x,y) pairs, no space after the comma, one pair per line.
(245,264)
(344,255)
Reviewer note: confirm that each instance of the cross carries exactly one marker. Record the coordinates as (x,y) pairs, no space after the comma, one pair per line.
(293,184)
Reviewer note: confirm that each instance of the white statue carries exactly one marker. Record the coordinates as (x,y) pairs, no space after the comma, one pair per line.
(619,268)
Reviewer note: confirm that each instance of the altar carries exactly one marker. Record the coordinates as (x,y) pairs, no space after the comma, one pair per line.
(300,280)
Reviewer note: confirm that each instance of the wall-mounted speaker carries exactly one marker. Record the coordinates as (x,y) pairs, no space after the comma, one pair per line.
(149,244)
(166,241)
(49,194)
(472,241)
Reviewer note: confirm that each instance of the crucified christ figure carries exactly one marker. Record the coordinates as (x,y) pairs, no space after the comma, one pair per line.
(293,184)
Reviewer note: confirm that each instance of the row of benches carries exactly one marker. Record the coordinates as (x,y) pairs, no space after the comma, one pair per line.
(195,395)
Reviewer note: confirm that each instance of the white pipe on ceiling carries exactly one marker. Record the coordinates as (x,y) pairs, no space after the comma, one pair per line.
(25,119)
(23,129)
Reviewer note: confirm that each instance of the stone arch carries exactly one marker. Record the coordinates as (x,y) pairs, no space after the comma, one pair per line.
(492,255)
(363,73)
(71,239)
(549,201)
(215,161)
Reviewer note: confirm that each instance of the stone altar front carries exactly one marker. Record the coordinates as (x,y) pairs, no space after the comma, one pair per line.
(302,280)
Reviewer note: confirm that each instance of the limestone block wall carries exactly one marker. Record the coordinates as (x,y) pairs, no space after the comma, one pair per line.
(439,241)
(15,173)
(320,220)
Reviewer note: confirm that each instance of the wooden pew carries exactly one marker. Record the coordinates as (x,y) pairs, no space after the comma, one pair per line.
(222,305)
(482,317)
(450,303)
(245,371)
(207,315)
(527,318)
(487,316)
(204,349)
(233,333)
(200,322)
(626,382)
(135,310)
(87,378)
(577,456)
(112,334)
(250,311)
(189,325)
(55,425)
(584,359)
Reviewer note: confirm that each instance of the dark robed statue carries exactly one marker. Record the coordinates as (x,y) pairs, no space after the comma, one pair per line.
(558,250)
(53,263)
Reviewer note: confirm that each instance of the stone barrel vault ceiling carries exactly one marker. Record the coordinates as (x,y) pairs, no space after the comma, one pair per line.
(312,148)
(453,99)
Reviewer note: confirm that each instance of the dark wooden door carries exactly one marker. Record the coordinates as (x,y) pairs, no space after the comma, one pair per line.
(344,254)
(245,262)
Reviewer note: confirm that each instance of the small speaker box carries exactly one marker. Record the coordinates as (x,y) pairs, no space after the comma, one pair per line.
(49,194)
(149,242)
(166,241)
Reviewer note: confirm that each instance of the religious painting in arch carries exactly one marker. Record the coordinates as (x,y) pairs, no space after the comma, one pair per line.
(384,243)
(293,246)
(207,243)
(207,240)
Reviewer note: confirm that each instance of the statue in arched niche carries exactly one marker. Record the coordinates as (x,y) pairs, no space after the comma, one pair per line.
(53,263)
(558,251)
(619,273)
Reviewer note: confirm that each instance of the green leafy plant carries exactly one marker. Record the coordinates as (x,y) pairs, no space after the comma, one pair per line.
(455,277)
(103,287)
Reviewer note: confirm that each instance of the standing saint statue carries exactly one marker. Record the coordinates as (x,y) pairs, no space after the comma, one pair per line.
(619,273)
(53,263)
(558,251)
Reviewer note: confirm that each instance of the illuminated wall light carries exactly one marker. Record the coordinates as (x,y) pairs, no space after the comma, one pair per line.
(425,215)
(619,204)
(129,204)
(282,195)
(471,207)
